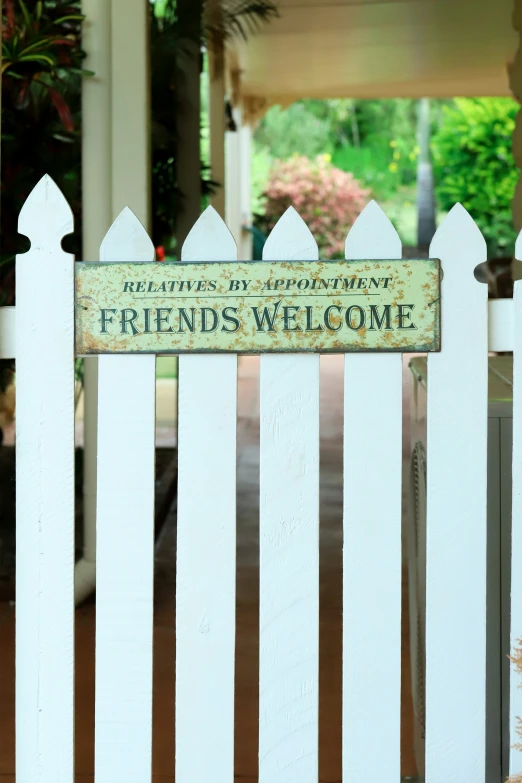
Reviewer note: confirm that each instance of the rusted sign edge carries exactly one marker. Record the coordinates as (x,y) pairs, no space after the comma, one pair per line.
(258,261)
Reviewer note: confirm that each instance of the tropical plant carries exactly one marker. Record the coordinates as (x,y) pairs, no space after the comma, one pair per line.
(41,72)
(329,200)
(231,18)
(226,19)
(38,47)
(473,165)
(236,18)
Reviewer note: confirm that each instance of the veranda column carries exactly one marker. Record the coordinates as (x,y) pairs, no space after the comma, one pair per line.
(233,180)
(188,70)
(238,190)
(245,154)
(130,109)
(515,83)
(97,217)
(116,173)
(217,126)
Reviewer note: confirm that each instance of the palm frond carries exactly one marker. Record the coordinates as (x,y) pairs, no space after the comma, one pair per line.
(238,18)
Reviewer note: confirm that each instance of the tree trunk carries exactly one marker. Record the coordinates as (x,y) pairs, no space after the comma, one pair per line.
(426,224)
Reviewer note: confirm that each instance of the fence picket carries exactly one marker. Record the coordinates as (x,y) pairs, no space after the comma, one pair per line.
(456,513)
(206,544)
(125,543)
(372,538)
(289,545)
(45,491)
(289,526)
(515,691)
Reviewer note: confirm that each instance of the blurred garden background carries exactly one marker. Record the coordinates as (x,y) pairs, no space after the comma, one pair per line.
(329,157)
(326,157)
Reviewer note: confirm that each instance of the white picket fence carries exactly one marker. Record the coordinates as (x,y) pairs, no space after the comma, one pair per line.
(39,332)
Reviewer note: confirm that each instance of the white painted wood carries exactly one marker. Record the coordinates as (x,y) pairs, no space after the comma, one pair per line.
(515,691)
(289,545)
(500,327)
(456,513)
(45,491)
(206,544)
(500,324)
(125,543)
(372,539)
(7,332)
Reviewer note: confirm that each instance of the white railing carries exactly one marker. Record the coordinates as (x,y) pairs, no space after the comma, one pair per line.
(39,333)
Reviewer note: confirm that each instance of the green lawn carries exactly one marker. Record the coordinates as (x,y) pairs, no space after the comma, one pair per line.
(167,367)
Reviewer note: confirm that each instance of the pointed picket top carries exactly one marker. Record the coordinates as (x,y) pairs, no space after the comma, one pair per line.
(373,236)
(209,239)
(126,240)
(46,217)
(290,240)
(459,240)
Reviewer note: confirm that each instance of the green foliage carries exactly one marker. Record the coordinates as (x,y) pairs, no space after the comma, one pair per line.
(237,18)
(41,103)
(294,131)
(41,77)
(474,165)
(374,140)
(370,165)
(37,41)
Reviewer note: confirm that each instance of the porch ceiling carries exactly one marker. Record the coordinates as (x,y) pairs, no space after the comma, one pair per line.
(380,48)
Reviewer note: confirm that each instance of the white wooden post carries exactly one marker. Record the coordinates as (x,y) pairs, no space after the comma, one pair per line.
(456,513)
(515,691)
(45,491)
(206,544)
(125,543)
(372,539)
(289,545)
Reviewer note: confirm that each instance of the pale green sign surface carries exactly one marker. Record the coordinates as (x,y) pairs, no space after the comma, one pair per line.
(255,307)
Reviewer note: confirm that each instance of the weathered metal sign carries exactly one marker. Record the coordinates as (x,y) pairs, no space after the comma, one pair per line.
(255,307)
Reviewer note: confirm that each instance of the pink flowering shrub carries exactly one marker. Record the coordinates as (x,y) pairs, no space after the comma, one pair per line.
(328,199)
